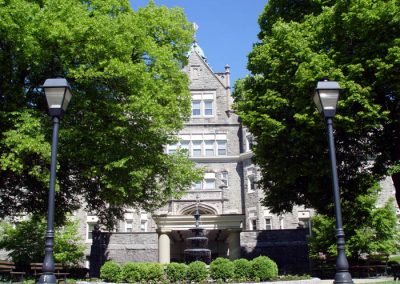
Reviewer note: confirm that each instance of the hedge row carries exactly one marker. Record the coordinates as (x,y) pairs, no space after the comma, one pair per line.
(221,269)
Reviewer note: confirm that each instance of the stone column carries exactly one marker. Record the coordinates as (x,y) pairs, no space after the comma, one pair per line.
(164,247)
(234,244)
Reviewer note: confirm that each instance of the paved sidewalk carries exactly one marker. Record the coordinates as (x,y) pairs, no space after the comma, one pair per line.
(329,281)
(362,280)
(308,281)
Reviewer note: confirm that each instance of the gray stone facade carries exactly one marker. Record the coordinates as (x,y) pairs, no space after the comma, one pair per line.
(229,197)
(236,222)
(123,247)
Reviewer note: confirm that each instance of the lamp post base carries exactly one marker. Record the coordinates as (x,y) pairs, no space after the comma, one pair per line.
(47,279)
(343,277)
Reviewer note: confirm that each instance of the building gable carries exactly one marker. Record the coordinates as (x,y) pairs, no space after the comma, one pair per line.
(201,75)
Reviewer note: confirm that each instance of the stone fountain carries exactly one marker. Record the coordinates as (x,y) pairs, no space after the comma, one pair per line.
(197,246)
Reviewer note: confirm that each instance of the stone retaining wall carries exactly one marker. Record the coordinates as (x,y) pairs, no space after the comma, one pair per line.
(122,248)
(125,247)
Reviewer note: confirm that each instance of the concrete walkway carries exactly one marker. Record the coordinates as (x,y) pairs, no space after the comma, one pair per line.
(308,281)
(330,281)
(360,281)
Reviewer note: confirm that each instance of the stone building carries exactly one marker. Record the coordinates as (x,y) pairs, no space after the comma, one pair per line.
(228,194)
(237,224)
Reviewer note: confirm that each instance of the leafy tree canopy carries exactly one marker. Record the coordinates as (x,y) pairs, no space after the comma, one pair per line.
(130,97)
(369,229)
(23,244)
(354,42)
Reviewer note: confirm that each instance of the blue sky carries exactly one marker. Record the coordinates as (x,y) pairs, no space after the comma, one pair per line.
(227,29)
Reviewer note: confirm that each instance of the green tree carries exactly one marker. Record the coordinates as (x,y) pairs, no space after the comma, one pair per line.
(130,98)
(22,242)
(288,10)
(369,229)
(331,41)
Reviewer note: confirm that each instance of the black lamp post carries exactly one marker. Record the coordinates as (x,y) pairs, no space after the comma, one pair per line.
(58,95)
(326,98)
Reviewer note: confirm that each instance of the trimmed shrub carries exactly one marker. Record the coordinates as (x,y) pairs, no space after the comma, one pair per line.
(221,269)
(290,277)
(197,271)
(110,272)
(176,272)
(133,272)
(263,268)
(242,269)
(154,272)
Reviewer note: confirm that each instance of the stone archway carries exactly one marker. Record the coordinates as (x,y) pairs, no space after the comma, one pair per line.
(204,209)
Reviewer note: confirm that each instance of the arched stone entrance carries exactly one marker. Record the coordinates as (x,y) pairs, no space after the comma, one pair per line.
(223,232)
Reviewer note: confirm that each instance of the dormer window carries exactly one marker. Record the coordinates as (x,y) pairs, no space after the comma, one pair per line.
(208,108)
(196,108)
(203,104)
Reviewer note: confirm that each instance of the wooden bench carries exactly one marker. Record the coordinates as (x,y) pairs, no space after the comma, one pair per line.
(59,271)
(8,268)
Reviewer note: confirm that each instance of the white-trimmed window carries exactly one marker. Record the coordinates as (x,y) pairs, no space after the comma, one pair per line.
(184,145)
(304,222)
(197,185)
(249,142)
(221,144)
(208,108)
(209,148)
(304,219)
(251,183)
(196,148)
(268,223)
(129,226)
(196,108)
(201,145)
(91,221)
(171,149)
(90,228)
(209,184)
(143,225)
(203,104)
(225,178)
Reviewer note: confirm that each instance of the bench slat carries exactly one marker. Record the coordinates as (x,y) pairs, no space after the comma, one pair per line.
(6,262)
(58,267)
(8,267)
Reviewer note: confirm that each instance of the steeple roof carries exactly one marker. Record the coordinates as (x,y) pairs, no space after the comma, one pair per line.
(196,48)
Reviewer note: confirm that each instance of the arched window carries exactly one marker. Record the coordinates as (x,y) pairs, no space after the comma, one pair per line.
(203,210)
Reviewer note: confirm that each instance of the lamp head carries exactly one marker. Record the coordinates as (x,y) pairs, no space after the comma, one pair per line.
(326,97)
(58,95)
